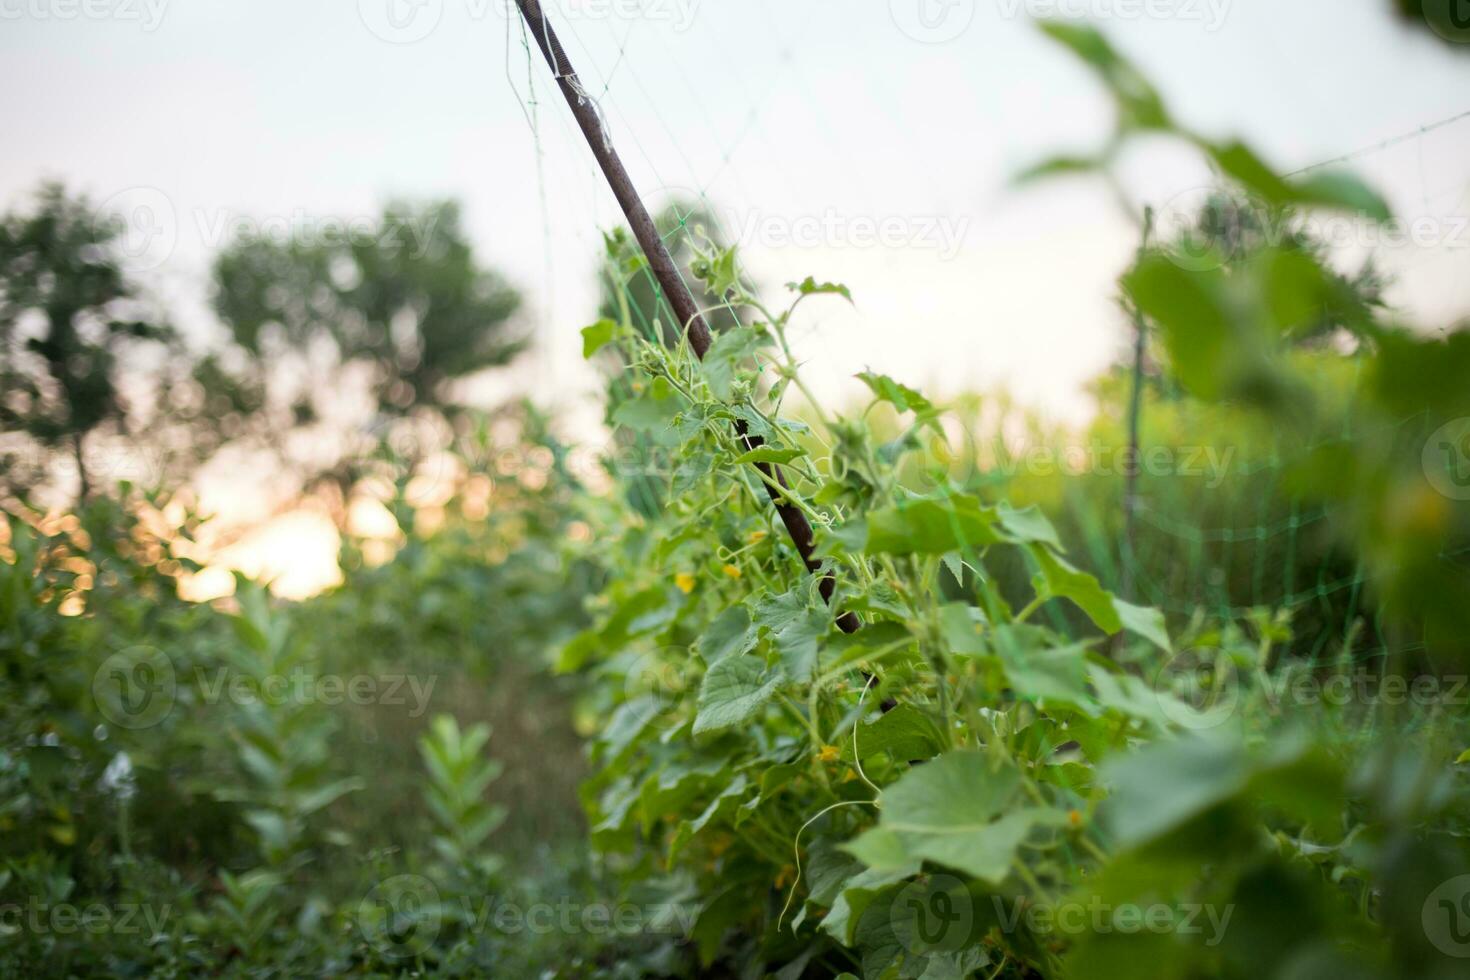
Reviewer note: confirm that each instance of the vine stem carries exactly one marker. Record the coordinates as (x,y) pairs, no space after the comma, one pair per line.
(796,849)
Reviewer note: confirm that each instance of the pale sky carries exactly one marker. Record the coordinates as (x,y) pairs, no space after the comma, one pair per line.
(818,120)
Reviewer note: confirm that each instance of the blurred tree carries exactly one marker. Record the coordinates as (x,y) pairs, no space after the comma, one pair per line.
(408,302)
(68,315)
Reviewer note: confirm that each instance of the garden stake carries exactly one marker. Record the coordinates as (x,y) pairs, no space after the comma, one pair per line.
(667,273)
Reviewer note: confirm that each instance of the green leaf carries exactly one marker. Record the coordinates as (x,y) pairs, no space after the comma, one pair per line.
(931,527)
(646,414)
(776,612)
(810,287)
(1240,163)
(625,725)
(1139,105)
(962,626)
(1028,526)
(719,808)
(881,849)
(796,628)
(1464,758)
(597,336)
(900,396)
(770,454)
(1043,673)
(1059,166)
(734,691)
(1146,622)
(1164,784)
(856,895)
(722,362)
(731,634)
(1192,311)
(1344,192)
(719,272)
(1130,696)
(797,643)
(946,812)
(904,734)
(1061,579)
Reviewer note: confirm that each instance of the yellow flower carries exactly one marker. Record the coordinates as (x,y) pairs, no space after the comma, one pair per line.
(829,753)
(756,537)
(732,571)
(685,582)
(1074,818)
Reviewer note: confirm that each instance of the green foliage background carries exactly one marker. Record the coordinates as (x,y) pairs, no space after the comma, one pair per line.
(1081,732)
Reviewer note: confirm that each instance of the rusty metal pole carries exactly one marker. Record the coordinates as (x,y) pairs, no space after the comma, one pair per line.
(584,110)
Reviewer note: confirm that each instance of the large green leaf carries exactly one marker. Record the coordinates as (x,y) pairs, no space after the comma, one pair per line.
(734,691)
(900,396)
(946,811)
(729,635)
(1062,580)
(931,527)
(905,733)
